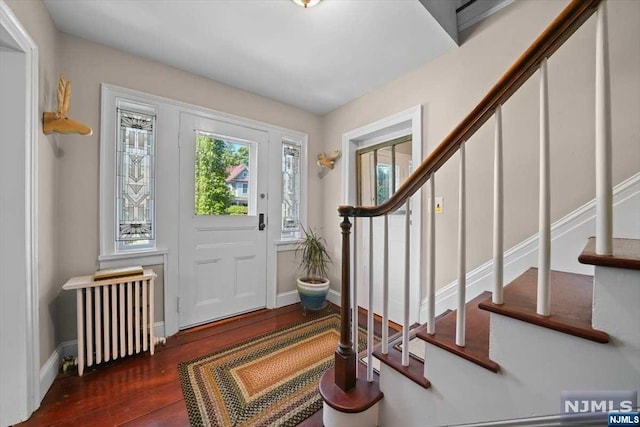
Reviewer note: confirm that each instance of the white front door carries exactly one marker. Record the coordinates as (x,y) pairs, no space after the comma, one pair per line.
(223,206)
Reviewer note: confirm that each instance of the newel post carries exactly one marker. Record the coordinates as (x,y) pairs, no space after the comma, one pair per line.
(345,358)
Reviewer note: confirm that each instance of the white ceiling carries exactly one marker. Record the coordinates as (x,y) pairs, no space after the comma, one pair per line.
(316,59)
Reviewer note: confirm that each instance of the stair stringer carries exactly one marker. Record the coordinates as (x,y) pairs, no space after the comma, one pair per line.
(536,364)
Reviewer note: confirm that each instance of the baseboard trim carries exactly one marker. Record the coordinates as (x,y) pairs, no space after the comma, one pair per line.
(158,329)
(291,297)
(287,298)
(49,371)
(516,262)
(334,297)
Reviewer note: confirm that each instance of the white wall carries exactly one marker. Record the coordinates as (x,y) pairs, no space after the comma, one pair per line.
(449,87)
(86,65)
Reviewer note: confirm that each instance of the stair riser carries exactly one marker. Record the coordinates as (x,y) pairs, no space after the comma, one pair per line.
(617,307)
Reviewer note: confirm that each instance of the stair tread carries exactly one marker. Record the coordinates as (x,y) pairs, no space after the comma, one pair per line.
(415,370)
(626,254)
(571,303)
(476,347)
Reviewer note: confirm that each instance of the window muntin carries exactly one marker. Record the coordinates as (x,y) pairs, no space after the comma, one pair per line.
(135,179)
(291,189)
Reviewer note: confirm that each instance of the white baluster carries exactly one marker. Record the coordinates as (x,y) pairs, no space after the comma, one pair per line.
(544,250)
(431,258)
(604,181)
(407,284)
(354,290)
(385,288)
(462,251)
(370,308)
(498,209)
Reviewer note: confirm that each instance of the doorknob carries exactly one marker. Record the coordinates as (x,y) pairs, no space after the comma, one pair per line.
(261,223)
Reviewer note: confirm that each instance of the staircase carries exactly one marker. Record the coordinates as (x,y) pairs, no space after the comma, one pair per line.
(507,355)
(537,358)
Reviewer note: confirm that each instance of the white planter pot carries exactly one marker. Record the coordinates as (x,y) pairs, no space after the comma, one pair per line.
(313,295)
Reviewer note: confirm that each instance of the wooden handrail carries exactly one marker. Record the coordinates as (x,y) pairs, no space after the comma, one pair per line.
(569,20)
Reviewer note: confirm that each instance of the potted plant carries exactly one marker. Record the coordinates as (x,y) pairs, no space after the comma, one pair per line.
(314,260)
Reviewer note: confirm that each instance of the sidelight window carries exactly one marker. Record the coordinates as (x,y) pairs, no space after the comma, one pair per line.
(135,177)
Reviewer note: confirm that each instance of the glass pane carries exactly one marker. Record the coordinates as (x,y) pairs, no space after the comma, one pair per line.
(383,186)
(385,174)
(365,179)
(404,165)
(290,190)
(222,180)
(135,176)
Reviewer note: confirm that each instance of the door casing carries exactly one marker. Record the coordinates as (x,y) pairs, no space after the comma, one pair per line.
(20,388)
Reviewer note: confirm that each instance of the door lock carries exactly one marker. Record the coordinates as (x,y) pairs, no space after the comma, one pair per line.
(261,223)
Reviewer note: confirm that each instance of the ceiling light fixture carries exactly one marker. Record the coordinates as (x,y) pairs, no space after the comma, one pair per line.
(306,3)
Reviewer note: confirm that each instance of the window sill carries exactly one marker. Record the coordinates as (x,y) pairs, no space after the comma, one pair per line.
(142,257)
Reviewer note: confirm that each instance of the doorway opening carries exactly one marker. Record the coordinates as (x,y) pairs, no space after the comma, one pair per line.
(377,159)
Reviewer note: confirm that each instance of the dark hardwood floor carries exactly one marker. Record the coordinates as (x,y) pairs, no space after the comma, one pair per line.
(144,390)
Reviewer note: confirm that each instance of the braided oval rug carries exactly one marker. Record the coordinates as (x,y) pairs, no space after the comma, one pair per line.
(268,381)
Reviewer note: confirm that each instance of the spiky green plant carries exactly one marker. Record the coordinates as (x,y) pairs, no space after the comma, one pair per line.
(314,258)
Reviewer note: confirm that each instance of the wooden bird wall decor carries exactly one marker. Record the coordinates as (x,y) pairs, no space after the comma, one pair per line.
(58,122)
(329,161)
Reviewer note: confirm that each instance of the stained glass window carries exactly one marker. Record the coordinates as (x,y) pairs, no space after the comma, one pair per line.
(135,178)
(290,190)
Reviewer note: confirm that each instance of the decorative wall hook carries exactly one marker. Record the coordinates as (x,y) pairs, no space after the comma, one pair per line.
(325,161)
(58,122)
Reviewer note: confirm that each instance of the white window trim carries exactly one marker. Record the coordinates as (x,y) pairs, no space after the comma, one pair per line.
(109,247)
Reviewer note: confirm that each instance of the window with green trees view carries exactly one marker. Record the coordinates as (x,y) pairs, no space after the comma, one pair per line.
(221,176)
